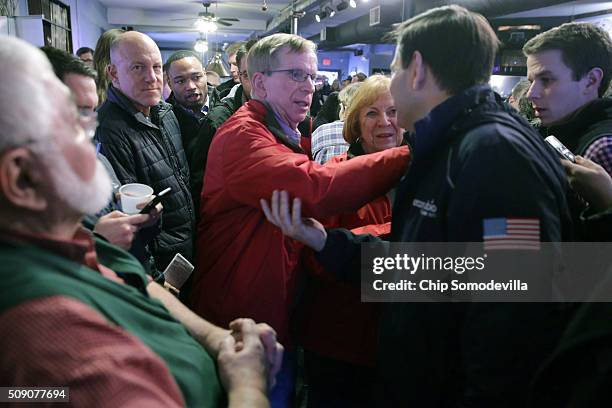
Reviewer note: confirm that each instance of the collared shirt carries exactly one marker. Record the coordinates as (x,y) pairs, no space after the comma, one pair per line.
(327,141)
(80,249)
(600,152)
(59,340)
(198,115)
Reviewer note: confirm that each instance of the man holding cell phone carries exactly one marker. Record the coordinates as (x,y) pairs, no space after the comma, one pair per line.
(570,69)
(140,136)
(128,230)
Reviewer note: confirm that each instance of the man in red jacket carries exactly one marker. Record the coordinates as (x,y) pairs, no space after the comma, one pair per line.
(245,264)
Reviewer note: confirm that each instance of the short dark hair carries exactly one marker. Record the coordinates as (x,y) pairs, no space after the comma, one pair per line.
(583,46)
(84,50)
(179,55)
(360,76)
(64,63)
(462,53)
(243,51)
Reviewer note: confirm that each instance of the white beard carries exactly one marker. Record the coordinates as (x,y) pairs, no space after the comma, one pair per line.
(86,198)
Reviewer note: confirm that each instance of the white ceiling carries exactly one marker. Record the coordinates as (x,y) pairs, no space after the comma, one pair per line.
(157,18)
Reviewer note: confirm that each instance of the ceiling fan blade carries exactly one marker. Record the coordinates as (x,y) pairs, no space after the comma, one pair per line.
(183,19)
(229,19)
(223,23)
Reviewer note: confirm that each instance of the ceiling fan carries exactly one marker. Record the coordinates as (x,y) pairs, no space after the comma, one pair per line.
(207,22)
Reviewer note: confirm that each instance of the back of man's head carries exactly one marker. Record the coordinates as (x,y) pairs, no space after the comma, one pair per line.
(64,63)
(583,47)
(454,34)
(25,75)
(243,51)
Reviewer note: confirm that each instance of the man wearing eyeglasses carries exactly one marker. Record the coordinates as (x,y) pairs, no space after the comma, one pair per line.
(81,312)
(243,262)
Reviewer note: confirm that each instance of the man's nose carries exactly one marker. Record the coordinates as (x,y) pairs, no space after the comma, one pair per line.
(533,92)
(150,75)
(308,84)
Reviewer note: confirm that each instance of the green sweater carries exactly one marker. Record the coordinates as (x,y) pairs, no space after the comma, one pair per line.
(30,273)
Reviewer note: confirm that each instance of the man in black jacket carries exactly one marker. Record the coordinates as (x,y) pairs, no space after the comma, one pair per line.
(140,136)
(570,68)
(477,165)
(191,96)
(193,102)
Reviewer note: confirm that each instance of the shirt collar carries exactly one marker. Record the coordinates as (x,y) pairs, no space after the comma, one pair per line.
(118,97)
(80,248)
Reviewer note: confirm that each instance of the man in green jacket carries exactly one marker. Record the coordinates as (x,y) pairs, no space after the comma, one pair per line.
(81,312)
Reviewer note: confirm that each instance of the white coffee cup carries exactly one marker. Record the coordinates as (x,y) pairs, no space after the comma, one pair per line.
(133,194)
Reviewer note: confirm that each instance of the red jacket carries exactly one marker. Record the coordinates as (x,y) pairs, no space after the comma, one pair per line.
(245,267)
(332,321)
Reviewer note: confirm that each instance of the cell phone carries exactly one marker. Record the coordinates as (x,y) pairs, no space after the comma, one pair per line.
(178,270)
(561,149)
(156,200)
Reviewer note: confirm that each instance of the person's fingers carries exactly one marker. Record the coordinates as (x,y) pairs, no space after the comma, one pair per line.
(137,219)
(266,210)
(276,366)
(284,209)
(591,165)
(250,337)
(296,215)
(569,167)
(227,345)
(274,203)
(268,338)
(140,206)
(115,214)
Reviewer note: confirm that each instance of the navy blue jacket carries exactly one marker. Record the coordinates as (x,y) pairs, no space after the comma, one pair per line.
(473,158)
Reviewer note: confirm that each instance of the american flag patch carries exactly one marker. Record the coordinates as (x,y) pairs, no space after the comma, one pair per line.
(511,233)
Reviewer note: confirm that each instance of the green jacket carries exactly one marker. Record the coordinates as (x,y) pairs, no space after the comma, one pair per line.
(30,273)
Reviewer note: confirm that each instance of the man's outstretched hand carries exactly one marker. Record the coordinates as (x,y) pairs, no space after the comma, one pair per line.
(289,219)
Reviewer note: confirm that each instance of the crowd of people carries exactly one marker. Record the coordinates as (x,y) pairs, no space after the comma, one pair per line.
(271,199)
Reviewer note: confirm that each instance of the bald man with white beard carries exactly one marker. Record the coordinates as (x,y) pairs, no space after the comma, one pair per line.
(81,312)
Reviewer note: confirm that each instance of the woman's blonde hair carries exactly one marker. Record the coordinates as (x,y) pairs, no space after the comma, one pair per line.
(101,60)
(367,93)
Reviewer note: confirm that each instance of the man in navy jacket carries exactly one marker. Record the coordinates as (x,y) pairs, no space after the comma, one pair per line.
(476,162)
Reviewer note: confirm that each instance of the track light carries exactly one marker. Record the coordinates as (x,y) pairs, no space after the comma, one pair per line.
(331,11)
(342,5)
(353,3)
(320,15)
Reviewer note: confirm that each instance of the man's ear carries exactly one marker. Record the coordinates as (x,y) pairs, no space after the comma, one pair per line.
(593,80)
(419,73)
(111,72)
(22,180)
(258,86)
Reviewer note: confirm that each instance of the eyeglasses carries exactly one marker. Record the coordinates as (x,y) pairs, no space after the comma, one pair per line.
(297,75)
(244,74)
